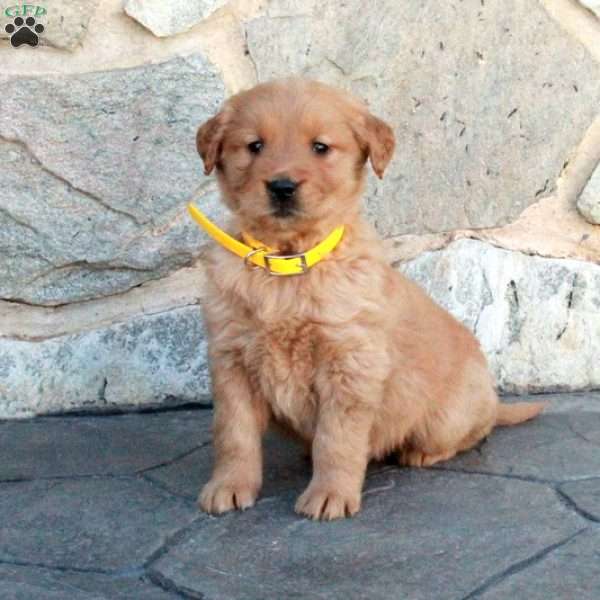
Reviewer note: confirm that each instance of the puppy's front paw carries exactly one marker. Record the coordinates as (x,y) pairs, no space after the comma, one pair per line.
(327,503)
(219,496)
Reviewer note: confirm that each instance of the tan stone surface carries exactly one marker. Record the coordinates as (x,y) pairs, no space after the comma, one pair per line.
(593,5)
(114,41)
(577,21)
(551,228)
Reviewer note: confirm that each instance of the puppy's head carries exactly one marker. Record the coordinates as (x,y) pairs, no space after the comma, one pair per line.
(292,153)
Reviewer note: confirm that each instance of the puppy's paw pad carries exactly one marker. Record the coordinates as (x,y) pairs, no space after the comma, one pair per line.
(221,496)
(327,504)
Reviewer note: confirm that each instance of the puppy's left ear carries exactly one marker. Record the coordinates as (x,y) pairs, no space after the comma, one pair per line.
(379,139)
(209,139)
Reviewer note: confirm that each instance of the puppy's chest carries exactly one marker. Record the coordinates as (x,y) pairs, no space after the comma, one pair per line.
(281,360)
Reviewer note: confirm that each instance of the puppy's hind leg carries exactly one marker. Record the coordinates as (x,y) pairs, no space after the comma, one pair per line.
(458,424)
(411,457)
(415,456)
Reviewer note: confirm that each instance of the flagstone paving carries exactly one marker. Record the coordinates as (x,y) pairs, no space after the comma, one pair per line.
(103,507)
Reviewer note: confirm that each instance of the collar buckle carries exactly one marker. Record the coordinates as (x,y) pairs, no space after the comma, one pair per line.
(250,254)
(268,267)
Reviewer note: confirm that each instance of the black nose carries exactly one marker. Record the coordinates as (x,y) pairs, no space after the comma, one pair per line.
(282,190)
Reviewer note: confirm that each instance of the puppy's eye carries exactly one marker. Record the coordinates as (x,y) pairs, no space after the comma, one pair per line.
(320,148)
(256,147)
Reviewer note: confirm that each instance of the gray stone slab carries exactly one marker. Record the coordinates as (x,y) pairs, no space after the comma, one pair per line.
(97,174)
(570,571)
(116,445)
(420,535)
(93,523)
(34,583)
(585,495)
(588,202)
(477,93)
(170,18)
(588,402)
(149,360)
(556,446)
(538,319)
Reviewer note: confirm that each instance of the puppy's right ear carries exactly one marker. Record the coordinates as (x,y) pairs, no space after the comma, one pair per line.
(209,139)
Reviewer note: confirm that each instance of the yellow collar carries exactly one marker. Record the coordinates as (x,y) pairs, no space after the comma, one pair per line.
(264,257)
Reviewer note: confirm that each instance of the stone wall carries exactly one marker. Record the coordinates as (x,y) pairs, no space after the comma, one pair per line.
(491,202)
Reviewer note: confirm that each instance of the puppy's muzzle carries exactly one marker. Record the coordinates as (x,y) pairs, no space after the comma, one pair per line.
(282,194)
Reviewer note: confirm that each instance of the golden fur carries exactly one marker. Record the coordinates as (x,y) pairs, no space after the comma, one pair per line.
(352,357)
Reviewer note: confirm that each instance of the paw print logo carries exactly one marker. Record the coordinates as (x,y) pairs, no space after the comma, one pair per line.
(24,32)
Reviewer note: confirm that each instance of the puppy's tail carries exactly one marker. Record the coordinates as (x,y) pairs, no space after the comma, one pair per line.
(511,414)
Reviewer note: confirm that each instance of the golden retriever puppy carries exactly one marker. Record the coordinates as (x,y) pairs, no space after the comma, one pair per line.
(350,356)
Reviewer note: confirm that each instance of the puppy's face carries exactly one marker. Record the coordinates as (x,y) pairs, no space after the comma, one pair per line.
(292,152)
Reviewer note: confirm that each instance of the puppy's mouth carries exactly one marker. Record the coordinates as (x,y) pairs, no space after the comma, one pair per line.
(284,211)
